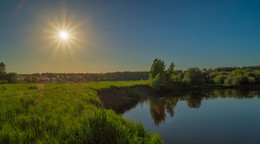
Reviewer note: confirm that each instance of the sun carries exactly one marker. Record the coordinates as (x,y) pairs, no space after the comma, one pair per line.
(63,35)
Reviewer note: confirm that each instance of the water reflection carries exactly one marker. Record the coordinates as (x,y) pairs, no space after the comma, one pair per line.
(160,105)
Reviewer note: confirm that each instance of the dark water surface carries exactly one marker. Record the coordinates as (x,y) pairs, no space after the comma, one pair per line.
(219,116)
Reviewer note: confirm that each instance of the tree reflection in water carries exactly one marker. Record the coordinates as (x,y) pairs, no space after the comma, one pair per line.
(159,105)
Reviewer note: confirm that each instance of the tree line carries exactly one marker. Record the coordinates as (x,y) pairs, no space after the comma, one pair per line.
(159,77)
(83,77)
(168,79)
(69,77)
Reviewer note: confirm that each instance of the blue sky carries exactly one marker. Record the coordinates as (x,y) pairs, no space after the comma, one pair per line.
(128,35)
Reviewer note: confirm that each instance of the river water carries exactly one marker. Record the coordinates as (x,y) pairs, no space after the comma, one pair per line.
(202,117)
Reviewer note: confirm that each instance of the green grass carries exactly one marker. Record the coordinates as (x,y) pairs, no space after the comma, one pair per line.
(108,84)
(65,113)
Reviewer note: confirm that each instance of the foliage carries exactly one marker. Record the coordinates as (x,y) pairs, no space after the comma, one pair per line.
(219,79)
(11,77)
(236,77)
(251,80)
(193,76)
(170,70)
(228,81)
(230,69)
(159,77)
(7,77)
(2,68)
(158,82)
(2,71)
(83,77)
(3,81)
(158,67)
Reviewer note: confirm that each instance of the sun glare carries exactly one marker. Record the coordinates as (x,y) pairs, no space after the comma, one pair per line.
(63,35)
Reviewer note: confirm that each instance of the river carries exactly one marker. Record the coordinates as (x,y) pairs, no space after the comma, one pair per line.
(202,117)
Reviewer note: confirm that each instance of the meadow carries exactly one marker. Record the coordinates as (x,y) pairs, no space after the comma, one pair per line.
(65,113)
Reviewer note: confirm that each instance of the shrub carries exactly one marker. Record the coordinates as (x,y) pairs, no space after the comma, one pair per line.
(193,76)
(239,79)
(219,79)
(3,82)
(157,67)
(251,80)
(158,82)
(228,80)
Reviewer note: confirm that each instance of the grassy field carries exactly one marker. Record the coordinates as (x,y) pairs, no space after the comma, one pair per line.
(65,113)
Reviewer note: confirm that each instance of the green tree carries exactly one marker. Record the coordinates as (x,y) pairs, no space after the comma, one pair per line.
(238,72)
(2,67)
(170,76)
(239,79)
(158,66)
(158,82)
(219,79)
(228,80)
(11,77)
(34,79)
(2,71)
(251,80)
(170,70)
(161,78)
(193,76)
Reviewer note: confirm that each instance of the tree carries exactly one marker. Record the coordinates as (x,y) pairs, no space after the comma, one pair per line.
(161,78)
(158,66)
(219,79)
(193,76)
(170,70)
(158,82)
(11,77)
(2,71)
(228,80)
(170,76)
(2,68)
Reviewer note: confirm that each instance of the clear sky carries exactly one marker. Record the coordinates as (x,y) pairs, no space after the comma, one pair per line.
(122,35)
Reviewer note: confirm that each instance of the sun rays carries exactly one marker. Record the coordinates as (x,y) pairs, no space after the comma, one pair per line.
(63,33)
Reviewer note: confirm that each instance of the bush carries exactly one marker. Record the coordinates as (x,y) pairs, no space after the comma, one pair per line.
(239,79)
(157,67)
(193,76)
(158,82)
(228,81)
(161,78)
(11,77)
(219,79)
(251,80)
(3,82)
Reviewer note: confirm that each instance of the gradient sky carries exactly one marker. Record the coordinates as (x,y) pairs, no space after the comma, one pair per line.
(127,35)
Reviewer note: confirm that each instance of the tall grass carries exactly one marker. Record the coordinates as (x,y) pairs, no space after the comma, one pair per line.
(64,113)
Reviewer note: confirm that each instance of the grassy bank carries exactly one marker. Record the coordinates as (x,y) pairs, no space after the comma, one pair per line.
(65,113)
(124,98)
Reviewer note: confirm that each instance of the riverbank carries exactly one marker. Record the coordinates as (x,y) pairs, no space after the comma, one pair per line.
(120,99)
